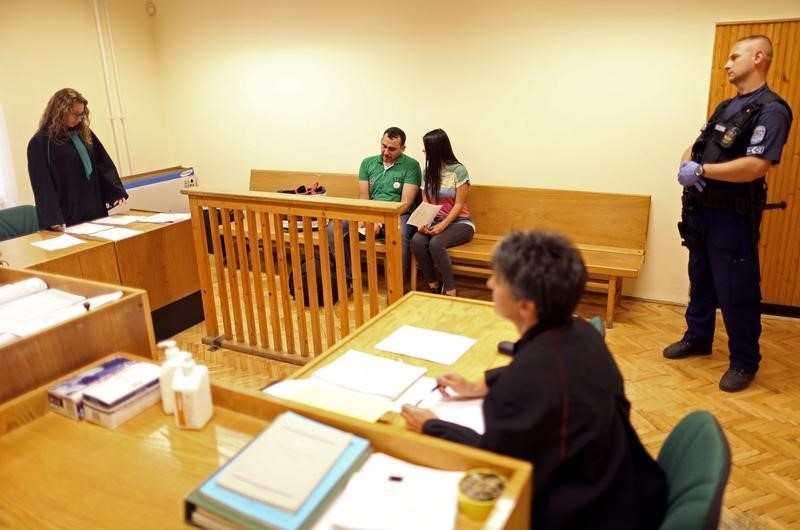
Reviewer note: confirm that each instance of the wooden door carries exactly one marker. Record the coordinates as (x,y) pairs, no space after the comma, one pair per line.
(779,248)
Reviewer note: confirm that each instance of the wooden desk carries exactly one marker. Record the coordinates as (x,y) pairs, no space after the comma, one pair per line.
(161,261)
(93,260)
(31,361)
(461,316)
(67,474)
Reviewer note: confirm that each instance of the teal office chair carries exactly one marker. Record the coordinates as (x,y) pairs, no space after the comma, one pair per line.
(697,460)
(18,221)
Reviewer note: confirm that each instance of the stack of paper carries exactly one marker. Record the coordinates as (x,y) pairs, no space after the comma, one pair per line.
(390,494)
(23,315)
(370,374)
(29,306)
(282,479)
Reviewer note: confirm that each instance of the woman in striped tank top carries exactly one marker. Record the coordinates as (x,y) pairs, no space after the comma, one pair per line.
(445,183)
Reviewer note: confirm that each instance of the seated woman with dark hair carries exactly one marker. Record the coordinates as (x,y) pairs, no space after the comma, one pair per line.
(560,404)
(446,183)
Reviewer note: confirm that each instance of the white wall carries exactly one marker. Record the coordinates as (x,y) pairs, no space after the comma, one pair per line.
(580,95)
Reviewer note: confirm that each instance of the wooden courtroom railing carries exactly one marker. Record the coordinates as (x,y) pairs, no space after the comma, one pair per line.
(254,242)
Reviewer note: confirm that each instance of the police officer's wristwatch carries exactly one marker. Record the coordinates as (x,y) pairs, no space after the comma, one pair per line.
(699,171)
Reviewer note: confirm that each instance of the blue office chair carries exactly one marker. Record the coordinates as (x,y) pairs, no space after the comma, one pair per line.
(18,221)
(697,461)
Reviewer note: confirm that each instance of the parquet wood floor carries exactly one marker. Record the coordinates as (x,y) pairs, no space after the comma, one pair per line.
(762,423)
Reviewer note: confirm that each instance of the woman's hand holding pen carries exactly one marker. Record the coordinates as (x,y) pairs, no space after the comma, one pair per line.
(460,386)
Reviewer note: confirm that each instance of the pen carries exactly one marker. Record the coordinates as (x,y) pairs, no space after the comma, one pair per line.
(434,389)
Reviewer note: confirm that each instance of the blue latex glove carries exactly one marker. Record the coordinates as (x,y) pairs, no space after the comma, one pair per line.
(687,175)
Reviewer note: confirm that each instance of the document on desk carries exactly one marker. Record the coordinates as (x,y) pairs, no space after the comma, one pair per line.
(322,395)
(166,217)
(120,220)
(391,494)
(115,234)
(466,412)
(34,306)
(284,464)
(58,243)
(22,288)
(428,344)
(86,228)
(424,214)
(370,374)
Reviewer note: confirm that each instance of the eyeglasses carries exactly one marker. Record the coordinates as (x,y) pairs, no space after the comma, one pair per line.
(78,115)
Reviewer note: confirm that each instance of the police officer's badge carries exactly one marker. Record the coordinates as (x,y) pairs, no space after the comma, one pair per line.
(729,136)
(758,134)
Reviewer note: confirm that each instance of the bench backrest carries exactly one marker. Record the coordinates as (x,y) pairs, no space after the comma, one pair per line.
(587,218)
(344,185)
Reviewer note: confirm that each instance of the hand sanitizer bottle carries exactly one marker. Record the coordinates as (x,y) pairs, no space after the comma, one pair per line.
(173,358)
(192,389)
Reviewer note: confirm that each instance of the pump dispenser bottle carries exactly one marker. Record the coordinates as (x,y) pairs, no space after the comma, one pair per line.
(193,407)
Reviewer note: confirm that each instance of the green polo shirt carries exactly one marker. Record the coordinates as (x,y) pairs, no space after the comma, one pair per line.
(387,184)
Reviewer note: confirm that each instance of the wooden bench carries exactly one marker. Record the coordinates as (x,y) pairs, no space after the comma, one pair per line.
(609,229)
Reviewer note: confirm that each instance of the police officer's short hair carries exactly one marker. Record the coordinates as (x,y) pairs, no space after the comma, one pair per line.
(396,132)
(544,268)
(766,45)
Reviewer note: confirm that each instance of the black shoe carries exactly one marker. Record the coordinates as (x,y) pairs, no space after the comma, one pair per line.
(681,349)
(736,380)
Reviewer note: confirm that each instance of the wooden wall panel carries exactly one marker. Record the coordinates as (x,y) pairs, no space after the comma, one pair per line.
(779,248)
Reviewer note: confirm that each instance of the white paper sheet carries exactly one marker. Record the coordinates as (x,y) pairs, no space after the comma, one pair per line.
(326,396)
(40,322)
(12,291)
(370,374)
(390,494)
(58,243)
(115,234)
(33,306)
(119,220)
(428,344)
(466,412)
(415,394)
(86,228)
(103,299)
(166,217)
(423,215)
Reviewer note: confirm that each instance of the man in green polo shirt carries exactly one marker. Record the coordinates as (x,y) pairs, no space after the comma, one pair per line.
(389,176)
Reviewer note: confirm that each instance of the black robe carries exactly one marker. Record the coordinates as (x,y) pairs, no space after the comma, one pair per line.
(561,405)
(62,192)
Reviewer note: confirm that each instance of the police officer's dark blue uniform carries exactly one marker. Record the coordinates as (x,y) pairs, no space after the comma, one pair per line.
(720,227)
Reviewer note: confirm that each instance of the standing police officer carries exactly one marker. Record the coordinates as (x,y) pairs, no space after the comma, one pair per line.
(723,198)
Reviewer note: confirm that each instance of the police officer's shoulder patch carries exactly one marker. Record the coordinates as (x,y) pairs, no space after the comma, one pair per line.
(755,150)
(758,135)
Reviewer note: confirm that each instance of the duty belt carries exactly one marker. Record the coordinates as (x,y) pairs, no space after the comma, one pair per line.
(715,198)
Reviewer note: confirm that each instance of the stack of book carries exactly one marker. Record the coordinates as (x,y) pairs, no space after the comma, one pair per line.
(66,397)
(123,395)
(283,479)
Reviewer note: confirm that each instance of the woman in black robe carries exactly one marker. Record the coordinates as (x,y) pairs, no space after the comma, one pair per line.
(73,178)
(560,404)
